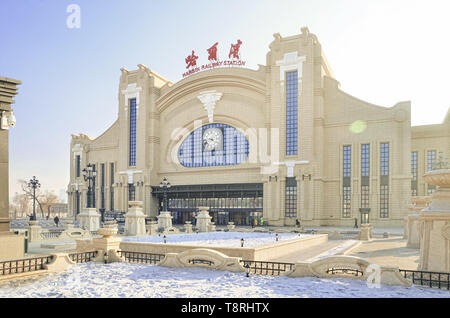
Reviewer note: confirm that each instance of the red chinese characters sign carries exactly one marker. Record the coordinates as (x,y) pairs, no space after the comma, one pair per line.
(234,59)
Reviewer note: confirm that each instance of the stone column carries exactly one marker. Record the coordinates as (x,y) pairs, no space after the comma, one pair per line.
(164,220)
(435,224)
(412,220)
(8,90)
(89,219)
(135,219)
(11,246)
(203,219)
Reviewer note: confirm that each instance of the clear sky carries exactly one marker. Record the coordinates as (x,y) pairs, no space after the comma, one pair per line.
(381,51)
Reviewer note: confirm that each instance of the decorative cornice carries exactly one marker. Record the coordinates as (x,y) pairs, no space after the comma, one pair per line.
(209,100)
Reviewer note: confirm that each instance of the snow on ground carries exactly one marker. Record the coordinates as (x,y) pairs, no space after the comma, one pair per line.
(336,250)
(140,280)
(229,239)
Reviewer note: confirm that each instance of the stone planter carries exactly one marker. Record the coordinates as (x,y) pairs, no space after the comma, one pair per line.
(434,224)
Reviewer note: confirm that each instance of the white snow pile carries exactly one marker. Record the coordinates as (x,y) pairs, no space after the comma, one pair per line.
(229,239)
(118,280)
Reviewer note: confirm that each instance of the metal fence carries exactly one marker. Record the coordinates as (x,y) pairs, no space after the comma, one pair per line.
(83,257)
(339,271)
(428,279)
(24,265)
(267,268)
(201,261)
(138,257)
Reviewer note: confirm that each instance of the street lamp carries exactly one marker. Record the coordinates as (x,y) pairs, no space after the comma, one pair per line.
(89,174)
(34,183)
(247,269)
(164,185)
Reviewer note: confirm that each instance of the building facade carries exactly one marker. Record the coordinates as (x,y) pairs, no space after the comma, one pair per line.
(282,143)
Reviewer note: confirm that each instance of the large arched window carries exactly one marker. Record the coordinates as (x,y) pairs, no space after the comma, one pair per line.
(213,145)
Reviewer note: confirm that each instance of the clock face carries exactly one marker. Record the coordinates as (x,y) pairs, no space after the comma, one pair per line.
(212,139)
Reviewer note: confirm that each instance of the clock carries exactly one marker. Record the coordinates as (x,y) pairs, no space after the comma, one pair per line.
(212,139)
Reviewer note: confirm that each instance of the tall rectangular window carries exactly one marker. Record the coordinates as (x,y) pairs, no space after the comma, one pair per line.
(291,198)
(102,186)
(132,161)
(365,174)
(414,173)
(78,165)
(291,113)
(431,158)
(131,192)
(94,180)
(346,182)
(111,188)
(384,180)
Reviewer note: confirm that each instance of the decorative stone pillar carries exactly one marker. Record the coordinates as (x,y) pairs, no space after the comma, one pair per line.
(365,233)
(435,224)
(188,227)
(89,219)
(412,220)
(152,228)
(164,220)
(203,219)
(107,244)
(34,231)
(230,226)
(135,219)
(212,227)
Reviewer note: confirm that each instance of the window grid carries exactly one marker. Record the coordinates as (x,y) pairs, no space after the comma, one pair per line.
(384,159)
(102,186)
(346,202)
(431,157)
(365,160)
(291,198)
(235,148)
(132,159)
(347,162)
(346,188)
(414,173)
(111,194)
(384,201)
(131,192)
(364,196)
(291,113)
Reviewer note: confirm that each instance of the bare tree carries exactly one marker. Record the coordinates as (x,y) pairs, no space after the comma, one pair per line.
(22,203)
(29,193)
(48,200)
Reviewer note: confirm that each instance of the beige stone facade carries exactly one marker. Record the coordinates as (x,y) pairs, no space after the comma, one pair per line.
(343,153)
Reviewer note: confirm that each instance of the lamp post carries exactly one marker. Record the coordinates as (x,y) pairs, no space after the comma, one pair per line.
(164,185)
(89,174)
(247,269)
(34,183)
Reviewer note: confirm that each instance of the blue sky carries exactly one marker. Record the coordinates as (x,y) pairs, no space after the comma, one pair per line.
(381,51)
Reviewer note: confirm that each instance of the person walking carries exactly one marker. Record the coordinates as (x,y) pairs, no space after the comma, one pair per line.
(56,220)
